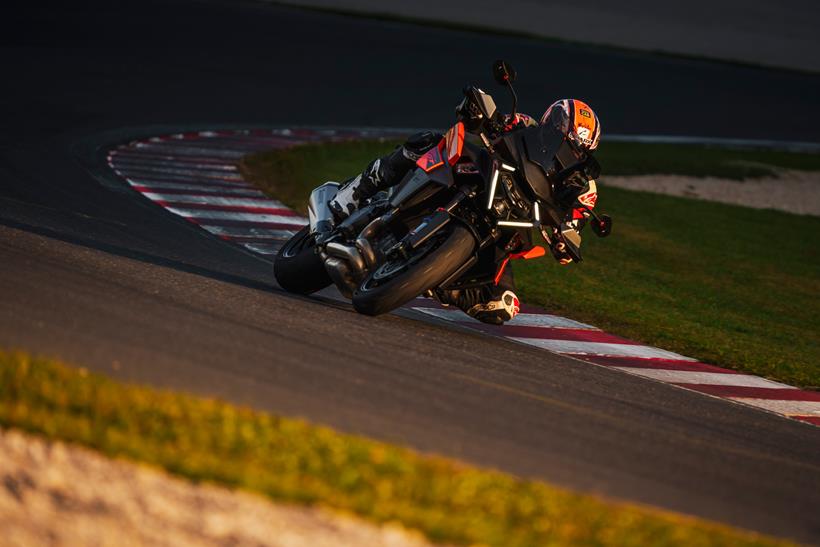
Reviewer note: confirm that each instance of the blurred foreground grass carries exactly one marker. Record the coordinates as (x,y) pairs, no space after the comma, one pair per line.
(729,285)
(291,460)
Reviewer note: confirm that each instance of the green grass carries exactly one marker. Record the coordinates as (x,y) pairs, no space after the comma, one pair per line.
(288,459)
(290,175)
(733,286)
(728,285)
(310,163)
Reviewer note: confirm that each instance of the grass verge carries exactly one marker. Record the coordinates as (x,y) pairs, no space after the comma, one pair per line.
(729,285)
(305,165)
(629,158)
(288,459)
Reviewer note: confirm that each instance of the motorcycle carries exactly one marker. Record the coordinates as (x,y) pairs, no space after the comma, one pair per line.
(441,227)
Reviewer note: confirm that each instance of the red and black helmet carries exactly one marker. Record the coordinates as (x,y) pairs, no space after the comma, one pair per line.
(576,120)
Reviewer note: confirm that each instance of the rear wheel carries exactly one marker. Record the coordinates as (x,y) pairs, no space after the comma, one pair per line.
(298,268)
(400,279)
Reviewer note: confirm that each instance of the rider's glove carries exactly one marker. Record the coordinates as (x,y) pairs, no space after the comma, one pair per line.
(559,251)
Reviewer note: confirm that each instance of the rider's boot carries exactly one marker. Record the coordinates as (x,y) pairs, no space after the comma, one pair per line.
(488,305)
(498,310)
(358,189)
(381,174)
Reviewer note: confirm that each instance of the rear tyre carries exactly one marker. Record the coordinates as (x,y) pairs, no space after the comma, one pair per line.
(396,282)
(298,268)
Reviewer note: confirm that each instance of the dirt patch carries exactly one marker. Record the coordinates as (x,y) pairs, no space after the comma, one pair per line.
(56,494)
(792,191)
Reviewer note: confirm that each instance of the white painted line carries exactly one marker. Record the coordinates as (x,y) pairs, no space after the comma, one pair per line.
(547,320)
(789,408)
(198,188)
(264,248)
(194,173)
(235,231)
(180,179)
(184,179)
(230,215)
(192,151)
(602,348)
(130,155)
(215,200)
(709,378)
(136,162)
(521,320)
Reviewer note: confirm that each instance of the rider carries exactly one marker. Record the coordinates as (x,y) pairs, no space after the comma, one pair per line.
(497,302)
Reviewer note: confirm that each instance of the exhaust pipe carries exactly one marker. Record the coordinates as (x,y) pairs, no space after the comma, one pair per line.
(345,266)
(319,213)
(347,253)
(339,273)
(363,241)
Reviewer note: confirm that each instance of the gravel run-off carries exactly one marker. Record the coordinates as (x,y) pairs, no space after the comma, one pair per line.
(792,191)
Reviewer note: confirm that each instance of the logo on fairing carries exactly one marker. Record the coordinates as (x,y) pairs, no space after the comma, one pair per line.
(589,199)
(430,160)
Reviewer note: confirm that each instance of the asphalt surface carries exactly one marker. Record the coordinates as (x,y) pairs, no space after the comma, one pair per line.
(91,274)
(781,34)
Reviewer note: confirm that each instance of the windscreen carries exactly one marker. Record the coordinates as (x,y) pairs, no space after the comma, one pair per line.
(539,146)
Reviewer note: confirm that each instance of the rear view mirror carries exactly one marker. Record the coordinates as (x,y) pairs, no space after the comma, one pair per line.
(503,73)
(480,100)
(602,225)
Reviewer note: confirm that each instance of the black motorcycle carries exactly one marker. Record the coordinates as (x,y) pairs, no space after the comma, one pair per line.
(442,226)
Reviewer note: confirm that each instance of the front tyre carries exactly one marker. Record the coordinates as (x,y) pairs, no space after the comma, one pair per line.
(298,268)
(397,281)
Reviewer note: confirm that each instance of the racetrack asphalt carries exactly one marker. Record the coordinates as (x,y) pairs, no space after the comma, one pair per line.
(92,274)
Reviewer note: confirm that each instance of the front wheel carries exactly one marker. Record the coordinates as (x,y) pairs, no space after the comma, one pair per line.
(298,268)
(400,279)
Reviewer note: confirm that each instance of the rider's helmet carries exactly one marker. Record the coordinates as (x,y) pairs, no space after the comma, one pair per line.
(576,120)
